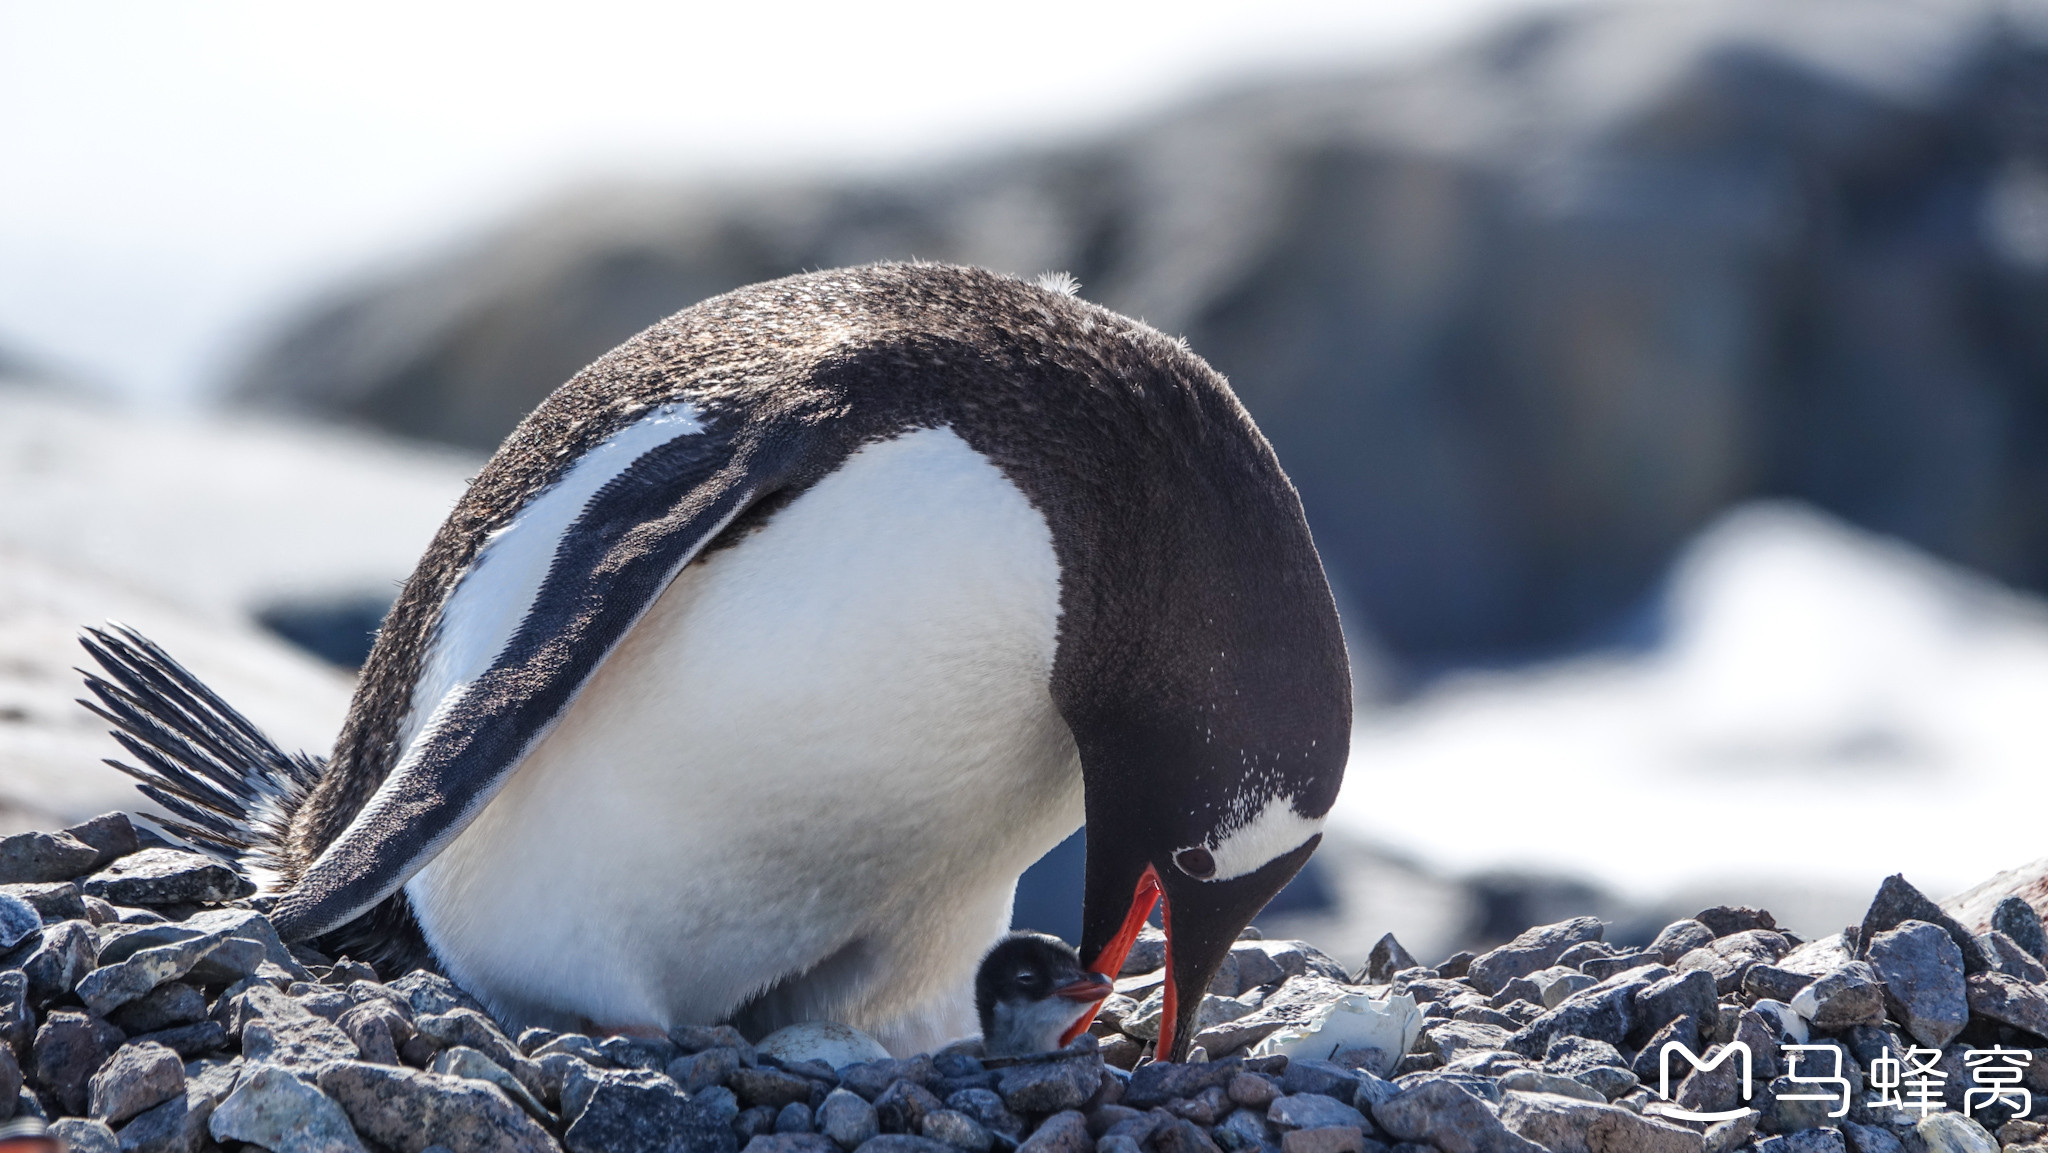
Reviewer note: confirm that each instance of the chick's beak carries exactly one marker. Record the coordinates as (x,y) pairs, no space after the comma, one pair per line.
(1089,988)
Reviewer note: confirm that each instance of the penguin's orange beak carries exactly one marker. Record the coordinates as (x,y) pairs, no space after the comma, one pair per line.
(1111,960)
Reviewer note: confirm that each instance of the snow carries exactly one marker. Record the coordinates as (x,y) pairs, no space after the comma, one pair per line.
(1825,708)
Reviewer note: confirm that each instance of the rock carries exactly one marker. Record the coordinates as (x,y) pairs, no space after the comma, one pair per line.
(828,1041)
(1678,995)
(52,900)
(1163,1081)
(1869,1139)
(1147,954)
(1450,1117)
(847,1118)
(1649,1058)
(18,919)
(432,993)
(2009,958)
(988,1110)
(2010,1001)
(1922,971)
(1565,1124)
(1601,968)
(1679,938)
(408,1110)
(1898,902)
(1251,1091)
(474,1028)
(378,1028)
(1538,1081)
(1386,959)
(176,1126)
(1067,1132)
(30,858)
(138,1077)
(903,1106)
(1775,983)
(1534,949)
(1727,920)
(463,1061)
(958,1130)
(113,985)
(63,958)
(167,1005)
(905,1143)
(870,1078)
(1049,1087)
(624,1052)
(2018,920)
(298,1040)
(273,1109)
(1572,1055)
(1451,1039)
(1604,1012)
(1312,1111)
(11,1081)
(112,836)
(156,877)
(1804,1141)
(1177,1136)
(1954,1133)
(69,1048)
(791,1143)
(1342,1139)
(1851,995)
(769,1087)
(1558,991)
(189,1041)
(84,1135)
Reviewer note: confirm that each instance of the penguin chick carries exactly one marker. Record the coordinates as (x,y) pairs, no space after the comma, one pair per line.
(1030,990)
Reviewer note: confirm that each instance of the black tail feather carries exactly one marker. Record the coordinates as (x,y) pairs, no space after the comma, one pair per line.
(231,789)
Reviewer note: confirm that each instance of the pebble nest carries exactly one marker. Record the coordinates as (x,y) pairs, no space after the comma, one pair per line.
(147,1004)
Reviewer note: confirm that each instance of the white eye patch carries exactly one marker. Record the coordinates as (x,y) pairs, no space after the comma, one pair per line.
(1273,831)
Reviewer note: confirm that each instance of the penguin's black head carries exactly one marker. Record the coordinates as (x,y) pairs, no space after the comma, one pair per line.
(1030,991)
(1202,673)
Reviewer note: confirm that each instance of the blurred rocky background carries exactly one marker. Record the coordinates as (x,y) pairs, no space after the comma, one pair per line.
(1667,385)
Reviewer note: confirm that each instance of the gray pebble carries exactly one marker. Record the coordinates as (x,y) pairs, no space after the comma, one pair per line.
(1312,1111)
(69,1048)
(154,878)
(43,857)
(1922,971)
(18,919)
(848,1118)
(84,1135)
(794,1117)
(405,1108)
(52,900)
(276,1110)
(2018,920)
(958,1130)
(137,1077)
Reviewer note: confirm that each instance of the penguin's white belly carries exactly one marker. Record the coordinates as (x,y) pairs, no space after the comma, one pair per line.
(820,760)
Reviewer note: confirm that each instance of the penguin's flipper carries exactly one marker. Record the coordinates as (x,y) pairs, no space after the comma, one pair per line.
(620,552)
(230,789)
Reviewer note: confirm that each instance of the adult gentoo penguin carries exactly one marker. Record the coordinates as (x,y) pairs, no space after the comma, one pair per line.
(766,653)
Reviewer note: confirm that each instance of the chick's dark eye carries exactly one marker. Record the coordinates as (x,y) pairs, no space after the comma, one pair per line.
(1196,862)
(1026,977)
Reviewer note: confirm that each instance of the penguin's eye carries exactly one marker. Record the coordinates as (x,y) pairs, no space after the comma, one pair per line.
(1027,977)
(1196,862)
